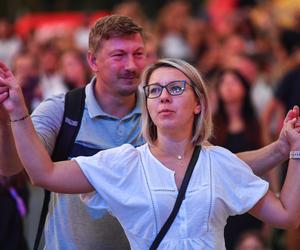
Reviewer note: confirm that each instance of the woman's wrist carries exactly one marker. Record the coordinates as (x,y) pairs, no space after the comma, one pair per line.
(24,117)
(18,113)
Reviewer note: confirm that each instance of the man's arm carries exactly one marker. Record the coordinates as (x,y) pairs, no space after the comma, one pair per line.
(264,159)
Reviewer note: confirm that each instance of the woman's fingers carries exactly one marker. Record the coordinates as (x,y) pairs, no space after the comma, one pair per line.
(3,89)
(3,96)
(6,76)
(3,67)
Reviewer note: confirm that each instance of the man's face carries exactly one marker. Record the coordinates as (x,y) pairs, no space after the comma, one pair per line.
(119,63)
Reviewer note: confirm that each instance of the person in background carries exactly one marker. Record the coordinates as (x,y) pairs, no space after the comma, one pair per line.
(251,240)
(10,43)
(73,68)
(26,71)
(237,129)
(14,195)
(51,82)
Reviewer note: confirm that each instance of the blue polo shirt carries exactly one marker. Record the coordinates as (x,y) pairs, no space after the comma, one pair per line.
(70,224)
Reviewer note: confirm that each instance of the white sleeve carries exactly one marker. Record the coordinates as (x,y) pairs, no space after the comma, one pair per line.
(47,119)
(113,173)
(237,189)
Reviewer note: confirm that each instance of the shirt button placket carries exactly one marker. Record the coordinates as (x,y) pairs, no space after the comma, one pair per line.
(120,132)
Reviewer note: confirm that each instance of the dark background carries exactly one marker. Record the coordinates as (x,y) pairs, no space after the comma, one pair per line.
(13,9)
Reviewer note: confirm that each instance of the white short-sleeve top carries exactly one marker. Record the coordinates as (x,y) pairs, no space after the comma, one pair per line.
(140,191)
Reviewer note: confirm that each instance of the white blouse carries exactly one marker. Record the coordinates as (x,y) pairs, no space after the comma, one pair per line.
(140,191)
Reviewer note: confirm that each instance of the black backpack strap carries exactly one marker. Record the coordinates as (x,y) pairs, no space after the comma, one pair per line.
(181,194)
(74,107)
(73,112)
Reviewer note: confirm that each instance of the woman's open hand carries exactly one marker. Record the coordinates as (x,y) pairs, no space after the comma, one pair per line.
(11,96)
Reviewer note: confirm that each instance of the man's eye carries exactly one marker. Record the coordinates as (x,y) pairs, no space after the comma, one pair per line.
(139,54)
(117,55)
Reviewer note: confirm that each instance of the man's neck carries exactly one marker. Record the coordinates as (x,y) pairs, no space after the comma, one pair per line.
(115,105)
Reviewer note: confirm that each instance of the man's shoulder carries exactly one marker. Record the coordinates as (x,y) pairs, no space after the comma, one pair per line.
(53,102)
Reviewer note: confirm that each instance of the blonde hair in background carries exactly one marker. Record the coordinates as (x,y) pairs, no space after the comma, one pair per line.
(202,126)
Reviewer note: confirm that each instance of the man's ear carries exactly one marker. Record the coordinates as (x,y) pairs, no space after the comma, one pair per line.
(91,58)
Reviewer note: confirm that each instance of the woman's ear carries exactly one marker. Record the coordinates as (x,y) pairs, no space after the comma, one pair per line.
(197,109)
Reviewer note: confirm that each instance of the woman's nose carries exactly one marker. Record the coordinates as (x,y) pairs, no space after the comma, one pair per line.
(165,96)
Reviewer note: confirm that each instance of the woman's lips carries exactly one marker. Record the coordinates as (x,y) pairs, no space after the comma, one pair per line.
(166,111)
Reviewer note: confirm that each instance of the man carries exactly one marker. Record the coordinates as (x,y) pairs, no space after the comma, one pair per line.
(111,118)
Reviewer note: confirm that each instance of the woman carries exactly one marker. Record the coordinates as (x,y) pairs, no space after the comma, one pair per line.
(238,130)
(139,185)
(238,127)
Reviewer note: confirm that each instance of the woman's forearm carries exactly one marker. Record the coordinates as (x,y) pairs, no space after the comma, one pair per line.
(62,177)
(32,153)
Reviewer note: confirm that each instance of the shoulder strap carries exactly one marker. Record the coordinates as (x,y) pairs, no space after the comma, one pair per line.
(73,112)
(74,106)
(163,231)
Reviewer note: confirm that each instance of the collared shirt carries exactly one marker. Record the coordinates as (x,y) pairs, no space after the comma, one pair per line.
(70,224)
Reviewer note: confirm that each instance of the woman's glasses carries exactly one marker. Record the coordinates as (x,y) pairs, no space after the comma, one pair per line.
(174,88)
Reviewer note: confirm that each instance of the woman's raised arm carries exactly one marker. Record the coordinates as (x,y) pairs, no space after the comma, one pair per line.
(63,177)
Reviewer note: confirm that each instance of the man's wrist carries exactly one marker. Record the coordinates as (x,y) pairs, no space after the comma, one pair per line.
(283,149)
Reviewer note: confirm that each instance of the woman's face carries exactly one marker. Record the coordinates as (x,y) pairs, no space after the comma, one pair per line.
(231,89)
(169,112)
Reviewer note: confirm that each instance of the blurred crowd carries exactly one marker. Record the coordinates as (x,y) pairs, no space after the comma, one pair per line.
(248,54)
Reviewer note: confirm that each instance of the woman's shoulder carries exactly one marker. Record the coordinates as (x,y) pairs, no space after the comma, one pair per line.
(220,156)
(217,151)
(123,151)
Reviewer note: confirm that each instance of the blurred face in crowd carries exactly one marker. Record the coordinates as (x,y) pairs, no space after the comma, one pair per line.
(49,60)
(231,89)
(118,64)
(251,243)
(72,67)
(24,67)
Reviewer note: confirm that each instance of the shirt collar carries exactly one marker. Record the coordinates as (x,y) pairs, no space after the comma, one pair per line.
(94,108)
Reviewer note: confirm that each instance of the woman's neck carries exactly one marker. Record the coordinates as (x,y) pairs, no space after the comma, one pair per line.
(177,147)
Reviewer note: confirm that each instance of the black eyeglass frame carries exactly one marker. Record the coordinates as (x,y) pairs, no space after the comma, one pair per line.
(184,83)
